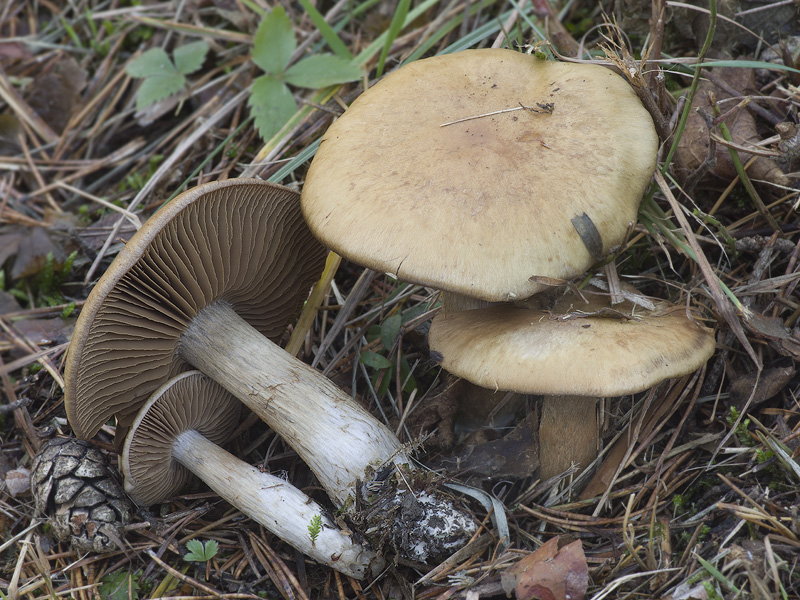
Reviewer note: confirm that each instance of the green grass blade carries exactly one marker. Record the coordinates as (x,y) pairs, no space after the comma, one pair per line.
(743,64)
(306,154)
(398,20)
(716,574)
(370,51)
(335,43)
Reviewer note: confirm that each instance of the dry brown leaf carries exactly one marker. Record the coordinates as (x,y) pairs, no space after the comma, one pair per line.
(773,330)
(514,455)
(766,386)
(32,253)
(13,51)
(556,571)
(56,95)
(693,148)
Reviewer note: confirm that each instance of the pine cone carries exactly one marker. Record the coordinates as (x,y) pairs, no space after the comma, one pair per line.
(75,488)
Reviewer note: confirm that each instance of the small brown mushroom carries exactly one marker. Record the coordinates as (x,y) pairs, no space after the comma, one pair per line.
(578,350)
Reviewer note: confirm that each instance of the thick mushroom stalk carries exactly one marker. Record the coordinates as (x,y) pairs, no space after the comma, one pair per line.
(343,444)
(169,428)
(340,441)
(279,506)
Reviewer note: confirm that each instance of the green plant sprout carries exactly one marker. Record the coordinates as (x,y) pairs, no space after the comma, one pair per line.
(200,552)
(116,585)
(271,102)
(742,431)
(315,527)
(164,76)
(49,280)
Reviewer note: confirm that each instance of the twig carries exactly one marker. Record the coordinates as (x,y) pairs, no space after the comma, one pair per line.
(180,576)
(11,406)
(543,107)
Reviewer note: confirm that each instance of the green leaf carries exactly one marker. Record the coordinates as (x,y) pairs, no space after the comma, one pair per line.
(405,375)
(190,57)
(320,71)
(153,62)
(156,88)
(114,586)
(315,527)
(375,360)
(200,552)
(271,104)
(390,329)
(274,42)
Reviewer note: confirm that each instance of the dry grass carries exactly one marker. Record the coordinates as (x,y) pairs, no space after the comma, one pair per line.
(700,481)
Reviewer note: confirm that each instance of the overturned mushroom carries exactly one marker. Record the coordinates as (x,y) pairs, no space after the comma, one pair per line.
(178,430)
(206,283)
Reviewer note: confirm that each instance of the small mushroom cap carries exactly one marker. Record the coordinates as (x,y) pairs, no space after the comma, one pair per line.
(586,350)
(240,241)
(190,401)
(480,206)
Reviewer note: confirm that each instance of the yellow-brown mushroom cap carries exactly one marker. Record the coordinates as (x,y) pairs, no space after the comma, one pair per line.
(240,241)
(480,206)
(584,350)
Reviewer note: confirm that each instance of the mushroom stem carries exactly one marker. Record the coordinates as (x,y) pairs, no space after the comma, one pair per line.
(340,441)
(280,507)
(569,432)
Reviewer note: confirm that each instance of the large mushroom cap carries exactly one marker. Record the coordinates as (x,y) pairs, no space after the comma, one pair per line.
(241,241)
(190,401)
(479,206)
(581,349)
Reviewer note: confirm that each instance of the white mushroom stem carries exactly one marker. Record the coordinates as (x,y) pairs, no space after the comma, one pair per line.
(278,506)
(340,441)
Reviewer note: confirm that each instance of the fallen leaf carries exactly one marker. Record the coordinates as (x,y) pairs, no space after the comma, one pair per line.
(32,253)
(694,145)
(13,51)
(556,571)
(56,95)
(18,482)
(775,332)
(514,455)
(770,383)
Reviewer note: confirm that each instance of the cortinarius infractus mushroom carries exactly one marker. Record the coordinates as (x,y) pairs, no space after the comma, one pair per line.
(178,430)
(576,350)
(475,171)
(206,283)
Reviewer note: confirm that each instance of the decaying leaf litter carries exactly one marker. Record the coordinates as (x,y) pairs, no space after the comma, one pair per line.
(696,493)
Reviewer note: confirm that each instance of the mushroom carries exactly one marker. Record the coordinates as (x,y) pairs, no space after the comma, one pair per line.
(480,171)
(483,173)
(205,284)
(577,350)
(177,432)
